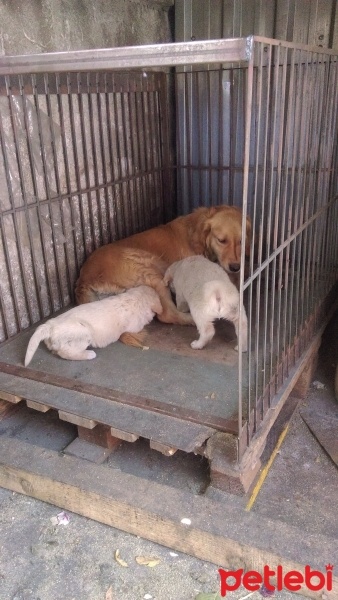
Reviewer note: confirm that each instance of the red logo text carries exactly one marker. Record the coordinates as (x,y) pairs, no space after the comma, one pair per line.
(290,580)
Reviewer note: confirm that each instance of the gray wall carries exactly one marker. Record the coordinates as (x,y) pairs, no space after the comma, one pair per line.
(313,22)
(33,26)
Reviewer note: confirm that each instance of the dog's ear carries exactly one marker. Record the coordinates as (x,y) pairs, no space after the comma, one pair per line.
(207,227)
(248,237)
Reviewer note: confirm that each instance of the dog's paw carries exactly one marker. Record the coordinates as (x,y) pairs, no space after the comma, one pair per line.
(91,354)
(197,345)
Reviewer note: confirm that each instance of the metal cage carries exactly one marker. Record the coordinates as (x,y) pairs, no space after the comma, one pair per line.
(97,145)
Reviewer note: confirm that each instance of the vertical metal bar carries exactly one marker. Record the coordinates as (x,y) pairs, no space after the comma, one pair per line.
(80,93)
(188,116)
(277,227)
(220,139)
(112,211)
(92,146)
(151,146)
(36,197)
(164,150)
(6,249)
(209,118)
(179,131)
(127,185)
(135,219)
(58,190)
(329,134)
(138,152)
(308,181)
(262,222)
(298,218)
(82,246)
(232,137)
(66,166)
(106,236)
(246,167)
(332,188)
(319,199)
(145,152)
(287,307)
(272,209)
(199,137)
(254,365)
(118,164)
(46,176)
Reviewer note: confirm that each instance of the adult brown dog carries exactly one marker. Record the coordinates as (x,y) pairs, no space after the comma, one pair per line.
(142,259)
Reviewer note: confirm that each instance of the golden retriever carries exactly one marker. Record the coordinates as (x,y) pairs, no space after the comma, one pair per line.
(142,259)
(205,289)
(97,324)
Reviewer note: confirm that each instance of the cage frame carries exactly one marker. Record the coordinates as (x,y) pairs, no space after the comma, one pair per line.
(210,52)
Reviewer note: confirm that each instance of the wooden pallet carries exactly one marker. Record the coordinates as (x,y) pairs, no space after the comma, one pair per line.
(104,417)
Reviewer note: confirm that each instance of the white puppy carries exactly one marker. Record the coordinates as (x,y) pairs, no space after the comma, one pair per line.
(205,289)
(96,324)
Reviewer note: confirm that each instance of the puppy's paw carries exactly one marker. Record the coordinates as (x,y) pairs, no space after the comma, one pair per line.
(244,348)
(197,345)
(90,354)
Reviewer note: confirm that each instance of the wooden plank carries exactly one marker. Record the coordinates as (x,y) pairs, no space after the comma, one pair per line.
(87,451)
(37,406)
(76,420)
(203,416)
(166,450)
(100,435)
(166,430)
(124,435)
(10,397)
(218,532)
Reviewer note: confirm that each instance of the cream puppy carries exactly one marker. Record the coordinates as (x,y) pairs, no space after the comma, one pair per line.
(96,324)
(205,289)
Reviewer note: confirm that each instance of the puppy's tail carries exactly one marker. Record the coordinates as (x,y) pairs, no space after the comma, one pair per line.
(133,339)
(41,333)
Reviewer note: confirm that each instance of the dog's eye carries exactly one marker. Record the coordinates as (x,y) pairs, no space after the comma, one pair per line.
(222,240)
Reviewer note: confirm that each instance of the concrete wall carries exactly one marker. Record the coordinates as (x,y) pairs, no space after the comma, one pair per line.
(35,26)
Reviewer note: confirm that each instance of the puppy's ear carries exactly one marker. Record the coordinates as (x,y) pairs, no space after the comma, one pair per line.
(167,278)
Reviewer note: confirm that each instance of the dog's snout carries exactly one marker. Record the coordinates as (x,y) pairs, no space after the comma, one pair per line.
(234,267)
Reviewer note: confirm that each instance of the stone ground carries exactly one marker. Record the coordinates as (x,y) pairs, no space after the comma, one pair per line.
(43,561)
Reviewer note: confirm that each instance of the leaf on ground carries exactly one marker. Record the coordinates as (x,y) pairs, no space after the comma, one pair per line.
(109,593)
(209,596)
(119,560)
(147,561)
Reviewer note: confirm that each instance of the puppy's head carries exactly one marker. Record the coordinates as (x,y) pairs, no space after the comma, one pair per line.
(223,237)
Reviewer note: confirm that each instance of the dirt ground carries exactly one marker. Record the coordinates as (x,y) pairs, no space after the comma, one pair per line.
(44,559)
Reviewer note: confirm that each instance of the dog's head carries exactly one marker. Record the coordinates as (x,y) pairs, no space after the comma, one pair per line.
(223,237)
